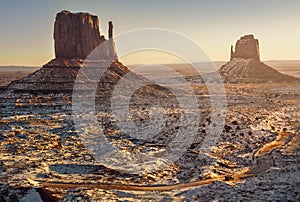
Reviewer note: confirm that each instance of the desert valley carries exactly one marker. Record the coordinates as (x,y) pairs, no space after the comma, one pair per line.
(56,120)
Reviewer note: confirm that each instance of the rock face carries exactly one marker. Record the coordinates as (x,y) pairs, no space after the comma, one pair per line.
(110,29)
(76,34)
(246,47)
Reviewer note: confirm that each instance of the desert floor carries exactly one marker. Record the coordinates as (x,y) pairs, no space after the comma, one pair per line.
(256,158)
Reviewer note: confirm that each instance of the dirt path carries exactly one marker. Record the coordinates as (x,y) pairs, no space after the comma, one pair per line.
(234,178)
(263,161)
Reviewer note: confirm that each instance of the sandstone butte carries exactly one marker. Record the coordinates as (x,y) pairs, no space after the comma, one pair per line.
(76,35)
(245,65)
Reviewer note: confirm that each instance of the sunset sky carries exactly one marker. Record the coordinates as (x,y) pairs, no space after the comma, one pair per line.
(26,35)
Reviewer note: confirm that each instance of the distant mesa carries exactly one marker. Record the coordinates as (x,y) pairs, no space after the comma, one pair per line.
(245,65)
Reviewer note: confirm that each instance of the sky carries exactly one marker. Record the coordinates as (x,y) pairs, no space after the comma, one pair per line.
(26,34)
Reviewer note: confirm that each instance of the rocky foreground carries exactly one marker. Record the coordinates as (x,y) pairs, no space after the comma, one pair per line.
(39,144)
